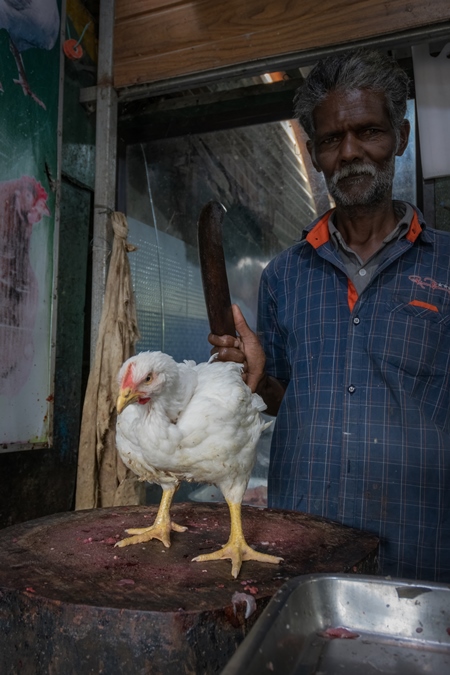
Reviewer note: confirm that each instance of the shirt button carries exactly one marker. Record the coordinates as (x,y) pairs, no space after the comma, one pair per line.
(351,389)
(356,320)
(362,273)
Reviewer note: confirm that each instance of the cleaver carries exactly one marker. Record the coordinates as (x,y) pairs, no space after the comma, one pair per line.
(213,269)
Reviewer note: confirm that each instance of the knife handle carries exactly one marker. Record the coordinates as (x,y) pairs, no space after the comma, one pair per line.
(213,270)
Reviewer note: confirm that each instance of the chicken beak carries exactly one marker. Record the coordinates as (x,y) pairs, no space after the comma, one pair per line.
(126,396)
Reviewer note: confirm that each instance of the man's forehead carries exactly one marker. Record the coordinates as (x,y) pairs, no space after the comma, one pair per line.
(350,104)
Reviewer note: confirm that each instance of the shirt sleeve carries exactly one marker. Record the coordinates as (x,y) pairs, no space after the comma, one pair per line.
(269,331)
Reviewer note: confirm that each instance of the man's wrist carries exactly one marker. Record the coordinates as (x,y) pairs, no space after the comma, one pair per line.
(271,391)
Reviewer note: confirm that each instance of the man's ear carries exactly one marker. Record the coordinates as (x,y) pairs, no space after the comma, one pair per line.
(312,154)
(405,129)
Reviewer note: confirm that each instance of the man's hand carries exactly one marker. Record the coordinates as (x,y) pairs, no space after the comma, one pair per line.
(245,349)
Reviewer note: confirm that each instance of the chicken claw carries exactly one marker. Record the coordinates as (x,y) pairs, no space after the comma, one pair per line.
(238,554)
(159,531)
(236,549)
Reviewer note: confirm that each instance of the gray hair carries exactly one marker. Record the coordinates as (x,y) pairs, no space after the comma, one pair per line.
(359,69)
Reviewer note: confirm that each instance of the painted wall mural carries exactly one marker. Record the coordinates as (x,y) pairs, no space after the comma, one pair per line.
(29,93)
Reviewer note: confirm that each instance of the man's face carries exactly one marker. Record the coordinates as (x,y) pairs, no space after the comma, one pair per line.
(355,146)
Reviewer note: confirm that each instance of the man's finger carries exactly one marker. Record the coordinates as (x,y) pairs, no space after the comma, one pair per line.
(230,354)
(241,324)
(222,340)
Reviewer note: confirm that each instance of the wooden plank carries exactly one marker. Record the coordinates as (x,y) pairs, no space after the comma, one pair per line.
(126,10)
(160,39)
(258,92)
(208,112)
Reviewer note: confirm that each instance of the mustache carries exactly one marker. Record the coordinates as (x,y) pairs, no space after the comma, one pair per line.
(353,170)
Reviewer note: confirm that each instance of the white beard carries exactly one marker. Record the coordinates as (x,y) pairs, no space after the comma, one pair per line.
(373,194)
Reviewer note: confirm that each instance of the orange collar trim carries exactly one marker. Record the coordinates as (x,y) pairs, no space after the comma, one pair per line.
(414,229)
(352,295)
(320,233)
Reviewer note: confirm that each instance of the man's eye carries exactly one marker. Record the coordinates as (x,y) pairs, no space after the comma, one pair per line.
(330,139)
(372,131)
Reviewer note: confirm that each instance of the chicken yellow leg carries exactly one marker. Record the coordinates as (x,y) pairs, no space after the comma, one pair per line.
(236,547)
(160,529)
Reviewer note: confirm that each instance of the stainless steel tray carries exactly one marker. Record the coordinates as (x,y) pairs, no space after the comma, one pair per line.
(402,628)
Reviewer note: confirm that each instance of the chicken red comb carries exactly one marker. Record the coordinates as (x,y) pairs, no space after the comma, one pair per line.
(39,207)
(40,191)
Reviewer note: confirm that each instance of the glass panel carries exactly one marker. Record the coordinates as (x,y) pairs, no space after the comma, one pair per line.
(265,179)
(405,166)
(258,173)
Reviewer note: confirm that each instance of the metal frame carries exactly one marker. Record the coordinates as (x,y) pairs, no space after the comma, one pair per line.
(59,149)
(105,164)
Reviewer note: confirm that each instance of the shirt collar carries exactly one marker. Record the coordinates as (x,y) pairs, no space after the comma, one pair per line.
(317,233)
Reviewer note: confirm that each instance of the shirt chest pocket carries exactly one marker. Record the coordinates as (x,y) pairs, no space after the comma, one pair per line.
(429,309)
(413,336)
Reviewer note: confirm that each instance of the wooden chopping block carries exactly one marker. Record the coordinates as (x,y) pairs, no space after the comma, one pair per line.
(72,603)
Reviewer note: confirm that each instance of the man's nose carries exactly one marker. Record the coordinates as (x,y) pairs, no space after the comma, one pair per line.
(350,148)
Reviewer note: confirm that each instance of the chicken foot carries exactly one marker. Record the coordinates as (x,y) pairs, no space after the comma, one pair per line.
(160,529)
(22,76)
(236,549)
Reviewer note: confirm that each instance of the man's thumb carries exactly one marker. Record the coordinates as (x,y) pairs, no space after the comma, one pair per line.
(241,324)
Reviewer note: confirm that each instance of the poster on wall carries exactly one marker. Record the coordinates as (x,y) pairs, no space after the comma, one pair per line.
(29,92)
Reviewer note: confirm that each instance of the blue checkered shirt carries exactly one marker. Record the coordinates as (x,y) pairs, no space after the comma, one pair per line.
(363,433)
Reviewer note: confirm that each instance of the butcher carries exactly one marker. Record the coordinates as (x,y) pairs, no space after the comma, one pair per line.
(353,347)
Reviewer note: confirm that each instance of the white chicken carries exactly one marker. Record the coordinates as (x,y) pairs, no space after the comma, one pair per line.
(182,421)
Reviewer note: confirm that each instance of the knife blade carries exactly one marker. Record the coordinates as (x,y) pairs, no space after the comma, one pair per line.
(213,269)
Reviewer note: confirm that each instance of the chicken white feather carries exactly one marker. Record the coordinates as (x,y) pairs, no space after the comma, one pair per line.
(183,421)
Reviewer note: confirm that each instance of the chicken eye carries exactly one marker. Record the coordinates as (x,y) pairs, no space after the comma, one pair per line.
(148,378)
